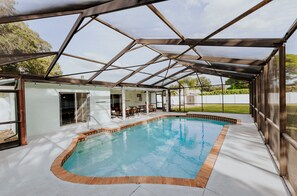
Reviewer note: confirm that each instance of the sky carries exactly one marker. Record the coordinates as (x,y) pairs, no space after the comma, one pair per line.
(193,18)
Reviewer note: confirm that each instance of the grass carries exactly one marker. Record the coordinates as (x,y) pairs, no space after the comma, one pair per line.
(291,121)
(228,108)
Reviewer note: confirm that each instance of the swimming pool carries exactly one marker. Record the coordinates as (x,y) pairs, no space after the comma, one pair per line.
(168,147)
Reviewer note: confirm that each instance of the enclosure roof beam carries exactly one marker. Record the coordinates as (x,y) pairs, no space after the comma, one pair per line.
(265,42)
(157,73)
(235,20)
(65,43)
(15,58)
(220,66)
(89,9)
(229,75)
(175,56)
(139,69)
(65,80)
(244,74)
(168,77)
(252,62)
(117,5)
(238,18)
(179,78)
(224,73)
(112,67)
(168,24)
(50,12)
(217,59)
(114,59)
(123,33)
(289,33)
(114,28)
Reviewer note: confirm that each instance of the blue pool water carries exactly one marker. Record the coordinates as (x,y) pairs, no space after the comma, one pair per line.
(168,147)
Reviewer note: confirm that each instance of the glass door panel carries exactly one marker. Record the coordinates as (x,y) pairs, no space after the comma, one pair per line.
(159,101)
(83,107)
(67,107)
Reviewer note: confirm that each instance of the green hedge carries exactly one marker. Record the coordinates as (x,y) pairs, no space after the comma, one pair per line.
(227,92)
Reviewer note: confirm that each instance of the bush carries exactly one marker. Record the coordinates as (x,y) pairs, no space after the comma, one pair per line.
(227,92)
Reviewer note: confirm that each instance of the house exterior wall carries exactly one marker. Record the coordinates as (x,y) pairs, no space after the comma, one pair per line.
(43,106)
(133,100)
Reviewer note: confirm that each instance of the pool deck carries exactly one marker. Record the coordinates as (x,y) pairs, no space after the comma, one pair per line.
(243,167)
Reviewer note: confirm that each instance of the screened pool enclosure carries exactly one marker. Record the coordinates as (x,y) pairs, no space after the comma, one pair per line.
(155,44)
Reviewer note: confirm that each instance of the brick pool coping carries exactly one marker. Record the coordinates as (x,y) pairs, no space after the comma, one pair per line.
(200,180)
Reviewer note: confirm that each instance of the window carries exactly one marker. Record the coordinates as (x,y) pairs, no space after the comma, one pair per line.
(139,97)
(74,108)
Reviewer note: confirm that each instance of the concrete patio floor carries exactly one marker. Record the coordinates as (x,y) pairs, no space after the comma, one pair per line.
(243,167)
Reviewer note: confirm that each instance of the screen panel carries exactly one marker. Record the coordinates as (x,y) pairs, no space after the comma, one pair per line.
(69,65)
(273,103)
(193,17)
(112,75)
(272,21)
(36,66)
(153,68)
(98,42)
(136,78)
(291,85)
(139,22)
(235,52)
(32,36)
(139,56)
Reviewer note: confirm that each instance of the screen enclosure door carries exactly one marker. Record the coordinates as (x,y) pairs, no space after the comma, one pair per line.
(9,117)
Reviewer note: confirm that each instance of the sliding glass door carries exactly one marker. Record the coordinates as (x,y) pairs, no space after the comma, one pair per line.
(159,100)
(74,108)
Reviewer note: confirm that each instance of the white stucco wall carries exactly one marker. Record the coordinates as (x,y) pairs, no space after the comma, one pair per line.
(132,99)
(43,107)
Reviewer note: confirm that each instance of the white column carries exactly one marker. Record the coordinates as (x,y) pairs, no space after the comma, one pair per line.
(167,100)
(123,104)
(147,101)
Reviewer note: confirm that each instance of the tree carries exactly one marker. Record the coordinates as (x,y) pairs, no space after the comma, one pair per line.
(205,83)
(18,38)
(188,82)
(291,67)
(291,73)
(192,83)
(236,84)
(174,92)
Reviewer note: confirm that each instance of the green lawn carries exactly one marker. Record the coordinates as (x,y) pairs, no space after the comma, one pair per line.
(228,108)
(292,120)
